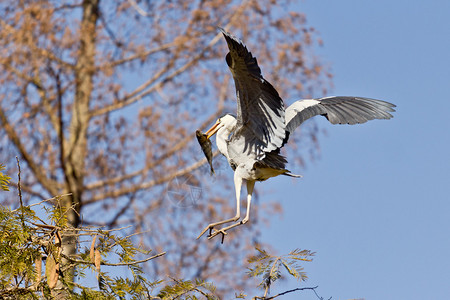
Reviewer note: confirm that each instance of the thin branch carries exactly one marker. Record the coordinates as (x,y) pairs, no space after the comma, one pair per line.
(188,290)
(138,8)
(118,62)
(110,33)
(12,293)
(94,231)
(41,52)
(20,194)
(149,184)
(179,145)
(49,107)
(80,261)
(287,292)
(136,261)
(122,211)
(28,190)
(135,95)
(67,6)
(41,177)
(50,199)
(274,266)
(139,93)
(22,75)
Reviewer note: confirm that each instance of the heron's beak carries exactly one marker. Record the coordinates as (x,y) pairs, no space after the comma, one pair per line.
(213,130)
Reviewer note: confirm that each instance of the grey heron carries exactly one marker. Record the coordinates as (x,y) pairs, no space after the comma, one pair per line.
(252,140)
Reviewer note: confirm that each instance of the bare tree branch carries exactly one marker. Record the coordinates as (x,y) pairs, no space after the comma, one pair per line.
(41,52)
(148,184)
(136,56)
(64,68)
(179,145)
(141,91)
(287,292)
(136,262)
(50,185)
(138,8)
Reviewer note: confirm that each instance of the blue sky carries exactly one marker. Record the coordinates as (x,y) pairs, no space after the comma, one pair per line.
(375,206)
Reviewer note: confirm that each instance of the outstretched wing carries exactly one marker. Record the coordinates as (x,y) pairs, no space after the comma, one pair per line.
(260,110)
(338,110)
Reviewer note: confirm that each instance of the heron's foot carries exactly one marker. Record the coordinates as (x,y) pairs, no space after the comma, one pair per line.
(211,226)
(223,231)
(216,232)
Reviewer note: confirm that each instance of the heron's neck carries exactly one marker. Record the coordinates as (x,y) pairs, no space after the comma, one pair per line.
(221,140)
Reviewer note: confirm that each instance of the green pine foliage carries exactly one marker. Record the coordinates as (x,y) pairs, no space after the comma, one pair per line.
(18,252)
(270,267)
(4,179)
(30,245)
(31,260)
(180,289)
(31,251)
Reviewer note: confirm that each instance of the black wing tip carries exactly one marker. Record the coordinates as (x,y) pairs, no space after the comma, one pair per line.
(222,30)
(232,41)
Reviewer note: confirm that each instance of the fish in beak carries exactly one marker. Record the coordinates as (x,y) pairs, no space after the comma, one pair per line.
(212,131)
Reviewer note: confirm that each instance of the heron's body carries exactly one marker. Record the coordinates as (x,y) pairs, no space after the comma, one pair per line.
(251,142)
(247,165)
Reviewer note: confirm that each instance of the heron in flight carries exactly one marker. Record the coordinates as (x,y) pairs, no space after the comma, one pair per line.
(252,140)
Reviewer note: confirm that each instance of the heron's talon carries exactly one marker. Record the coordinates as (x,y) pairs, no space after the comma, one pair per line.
(217,232)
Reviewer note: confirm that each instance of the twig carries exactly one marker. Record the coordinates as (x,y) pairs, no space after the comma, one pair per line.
(115,63)
(127,237)
(102,230)
(148,184)
(136,261)
(290,291)
(18,183)
(320,298)
(138,8)
(63,214)
(188,290)
(80,261)
(177,146)
(41,177)
(20,194)
(150,86)
(269,281)
(49,199)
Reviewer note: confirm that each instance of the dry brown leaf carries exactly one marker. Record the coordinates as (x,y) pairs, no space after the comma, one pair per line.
(97,259)
(51,271)
(58,245)
(91,252)
(38,266)
(58,240)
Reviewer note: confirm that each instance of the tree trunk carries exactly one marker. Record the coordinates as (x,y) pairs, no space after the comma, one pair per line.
(73,149)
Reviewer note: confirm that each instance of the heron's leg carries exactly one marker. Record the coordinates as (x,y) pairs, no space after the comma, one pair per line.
(250,186)
(223,231)
(238,185)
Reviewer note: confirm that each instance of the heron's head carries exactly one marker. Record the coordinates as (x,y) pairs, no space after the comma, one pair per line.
(227,121)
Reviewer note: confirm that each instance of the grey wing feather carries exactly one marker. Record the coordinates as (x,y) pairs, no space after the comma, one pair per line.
(338,110)
(260,113)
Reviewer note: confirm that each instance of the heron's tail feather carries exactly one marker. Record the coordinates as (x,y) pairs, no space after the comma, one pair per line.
(292,175)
